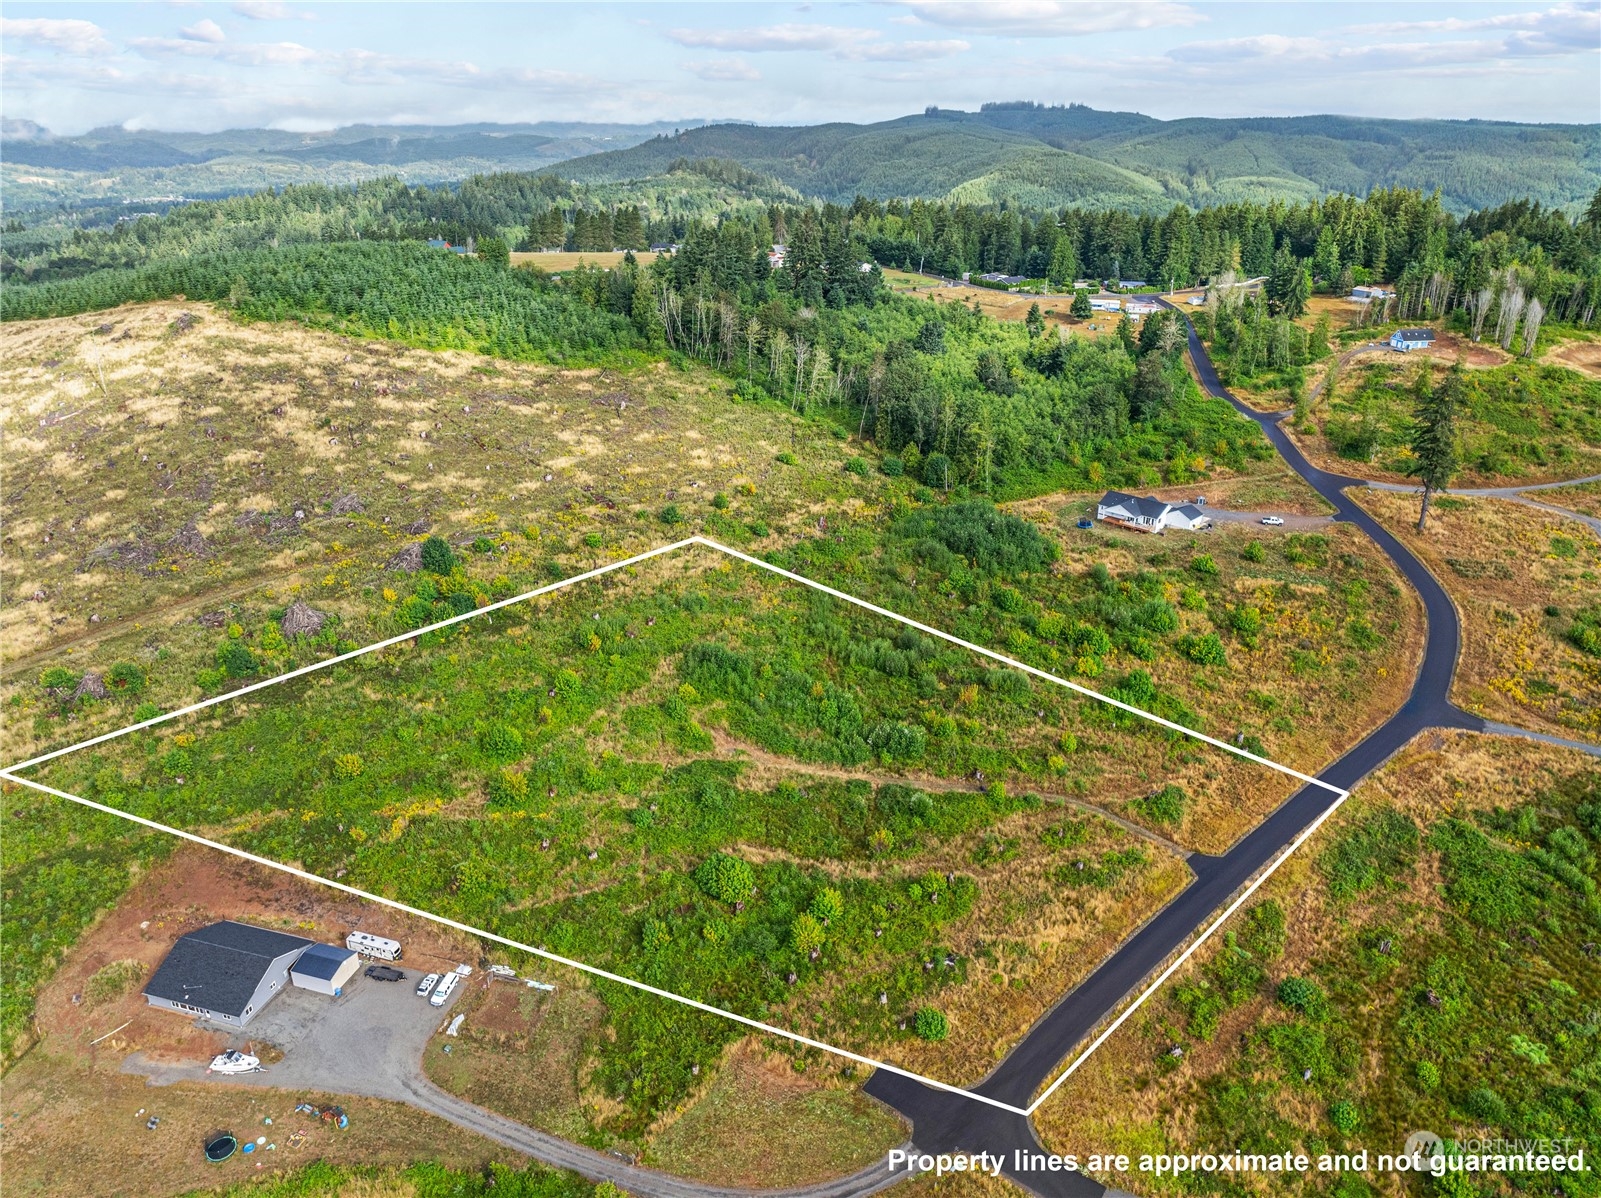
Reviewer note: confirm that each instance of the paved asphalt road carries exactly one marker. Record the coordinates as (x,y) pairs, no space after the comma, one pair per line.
(946,1122)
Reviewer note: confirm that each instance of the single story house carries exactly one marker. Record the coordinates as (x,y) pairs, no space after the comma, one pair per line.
(1141,307)
(324,968)
(1130,284)
(1105,303)
(225,973)
(1149,514)
(1363,295)
(662,247)
(1406,340)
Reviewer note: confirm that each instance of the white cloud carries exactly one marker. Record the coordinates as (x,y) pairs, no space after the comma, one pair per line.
(723,70)
(848,43)
(267,10)
(83,38)
(1052,18)
(204,31)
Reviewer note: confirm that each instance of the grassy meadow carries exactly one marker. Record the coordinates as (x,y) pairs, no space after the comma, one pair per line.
(1427,961)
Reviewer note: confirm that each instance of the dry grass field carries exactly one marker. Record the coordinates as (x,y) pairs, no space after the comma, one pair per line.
(556,261)
(1518,577)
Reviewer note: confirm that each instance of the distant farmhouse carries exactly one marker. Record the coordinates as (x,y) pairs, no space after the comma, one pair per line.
(1150,514)
(1366,295)
(995,276)
(1105,303)
(1141,307)
(1406,340)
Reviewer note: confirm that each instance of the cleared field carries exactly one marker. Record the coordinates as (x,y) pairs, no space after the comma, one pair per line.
(166,463)
(558,260)
(1368,990)
(1527,584)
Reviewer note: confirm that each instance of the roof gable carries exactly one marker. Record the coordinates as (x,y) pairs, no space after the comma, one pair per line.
(219,967)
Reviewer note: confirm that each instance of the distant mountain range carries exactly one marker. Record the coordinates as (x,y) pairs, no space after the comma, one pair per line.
(119,164)
(1021,154)
(1039,157)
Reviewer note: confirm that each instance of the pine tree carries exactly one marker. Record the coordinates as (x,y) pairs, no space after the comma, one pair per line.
(1064,263)
(1434,432)
(1081,309)
(1034,321)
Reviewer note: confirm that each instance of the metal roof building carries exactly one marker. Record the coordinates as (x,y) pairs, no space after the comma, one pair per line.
(225,972)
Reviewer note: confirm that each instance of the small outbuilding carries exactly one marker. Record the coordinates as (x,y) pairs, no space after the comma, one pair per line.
(324,968)
(1407,340)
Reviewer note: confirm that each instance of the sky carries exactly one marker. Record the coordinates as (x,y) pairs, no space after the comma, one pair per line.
(303,66)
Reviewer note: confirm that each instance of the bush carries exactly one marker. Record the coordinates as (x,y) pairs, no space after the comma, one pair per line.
(1205,564)
(1485,1105)
(1428,1076)
(937,471)
(893,467)
(1346,1118)
(1304,996)
(506,786)
(786,458)
(720,502)
(437,556)
(483,545)
(857,466)
(501,741)
(827,905)
(1203,650)
(725,878)
(348,766)
(145,711)
(1376,851)
(670,514)
(1254,552)
(1166,806)
(236,660)
(58,678)
(806,933)
(126,677)
(929,1024)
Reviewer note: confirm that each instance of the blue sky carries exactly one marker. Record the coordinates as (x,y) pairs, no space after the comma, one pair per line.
(204,66)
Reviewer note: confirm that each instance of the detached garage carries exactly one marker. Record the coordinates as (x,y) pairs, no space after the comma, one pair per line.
(324,968)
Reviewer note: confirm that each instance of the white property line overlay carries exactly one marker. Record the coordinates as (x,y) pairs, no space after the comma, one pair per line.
(9,774)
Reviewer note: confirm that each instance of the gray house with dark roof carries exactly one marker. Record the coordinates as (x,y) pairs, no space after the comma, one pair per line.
(224,973)
(1147,513)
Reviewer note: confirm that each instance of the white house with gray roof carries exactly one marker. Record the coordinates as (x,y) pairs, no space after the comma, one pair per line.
(225,972)
(1147,513)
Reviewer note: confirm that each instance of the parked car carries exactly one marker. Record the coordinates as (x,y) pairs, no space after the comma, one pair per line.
(385,973)
(444,990)
(1273,520)
(427,984)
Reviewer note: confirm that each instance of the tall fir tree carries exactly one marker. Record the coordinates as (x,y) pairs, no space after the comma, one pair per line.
(1434,453)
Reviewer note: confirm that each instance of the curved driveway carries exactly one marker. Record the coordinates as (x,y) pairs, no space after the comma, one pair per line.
(947,1122)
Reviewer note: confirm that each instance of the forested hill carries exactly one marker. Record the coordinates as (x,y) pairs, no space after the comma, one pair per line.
(1035,156)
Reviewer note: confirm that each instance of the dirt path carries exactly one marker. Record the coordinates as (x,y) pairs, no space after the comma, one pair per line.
(1515,494)
(771,764)
(95,633)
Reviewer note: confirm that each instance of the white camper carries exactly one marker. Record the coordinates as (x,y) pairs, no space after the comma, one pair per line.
(369,945)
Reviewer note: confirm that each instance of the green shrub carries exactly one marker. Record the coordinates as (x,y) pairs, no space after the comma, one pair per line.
(858,466)
(1204,564)
(1485,1105)
(126,678)
(348,765)
(827,905)
(145,711)
(1206,650)
(929,1024)
(786,458)
(506,786)
(501,742)
(1345,1116)
(670,514)
(1263,935)
(1165,807)
(1307,997)
(725,878)
(58,678)
(937,471)
(720,502)
(893,467)
(483,545)
(1378,850)
(806,933)
(236,660)
(1253,552)
(437,556)
(1427,1074)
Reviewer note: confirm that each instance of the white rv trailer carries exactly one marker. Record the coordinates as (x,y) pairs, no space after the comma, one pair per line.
(369,945)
